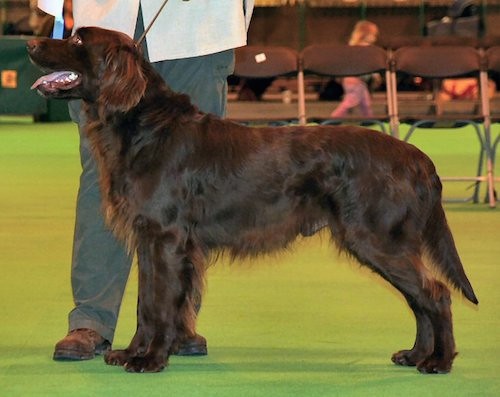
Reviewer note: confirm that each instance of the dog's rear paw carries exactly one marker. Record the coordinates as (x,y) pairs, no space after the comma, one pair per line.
(145,364)
(116,357)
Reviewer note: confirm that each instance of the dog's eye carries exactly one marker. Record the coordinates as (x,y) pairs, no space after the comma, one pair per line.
(76,40)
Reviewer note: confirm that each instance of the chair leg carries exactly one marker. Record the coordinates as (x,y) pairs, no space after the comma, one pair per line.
(490,166)
(477,184)
(483,148)
(491,183)
(410,132)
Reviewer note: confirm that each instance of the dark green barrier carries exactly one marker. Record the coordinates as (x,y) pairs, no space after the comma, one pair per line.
(17,74)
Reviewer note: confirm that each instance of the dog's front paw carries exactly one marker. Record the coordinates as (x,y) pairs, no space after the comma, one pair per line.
(147,363)
(405,358)
(434,365)
(116,357)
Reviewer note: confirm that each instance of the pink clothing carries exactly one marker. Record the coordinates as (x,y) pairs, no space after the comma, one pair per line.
(356,93)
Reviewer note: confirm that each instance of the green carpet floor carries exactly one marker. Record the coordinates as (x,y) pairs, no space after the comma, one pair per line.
(302,323)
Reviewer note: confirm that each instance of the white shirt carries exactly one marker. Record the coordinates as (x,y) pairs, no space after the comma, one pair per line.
(183,29)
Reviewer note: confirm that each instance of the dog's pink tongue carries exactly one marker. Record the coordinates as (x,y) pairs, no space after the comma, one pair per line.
(62,78)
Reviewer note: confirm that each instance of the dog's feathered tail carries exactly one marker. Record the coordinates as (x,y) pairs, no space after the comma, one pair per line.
(442,250)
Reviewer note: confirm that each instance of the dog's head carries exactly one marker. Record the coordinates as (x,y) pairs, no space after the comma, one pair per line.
(96,65)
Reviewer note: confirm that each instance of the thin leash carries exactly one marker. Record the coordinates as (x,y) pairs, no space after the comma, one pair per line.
(140,40)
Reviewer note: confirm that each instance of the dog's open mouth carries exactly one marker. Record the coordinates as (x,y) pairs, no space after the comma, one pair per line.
(57,81)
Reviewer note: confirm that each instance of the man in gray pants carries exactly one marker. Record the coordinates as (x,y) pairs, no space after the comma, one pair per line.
(100,264)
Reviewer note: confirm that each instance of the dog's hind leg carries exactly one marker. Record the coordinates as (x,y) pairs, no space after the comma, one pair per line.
(434,347)
(441,360)
(436,306)
(424,341)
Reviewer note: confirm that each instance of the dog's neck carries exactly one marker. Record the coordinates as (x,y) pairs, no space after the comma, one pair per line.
(176,107)
(117,131)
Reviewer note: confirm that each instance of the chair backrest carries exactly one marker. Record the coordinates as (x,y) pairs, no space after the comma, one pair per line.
(265,61)
(493,59)
(453,41)
(394,42)
(489,41)
(492,64)
(437,61)
(338,61)
(433,62)
(342,60)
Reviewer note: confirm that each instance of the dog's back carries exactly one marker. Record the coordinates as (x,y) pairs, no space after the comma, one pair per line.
(288,179)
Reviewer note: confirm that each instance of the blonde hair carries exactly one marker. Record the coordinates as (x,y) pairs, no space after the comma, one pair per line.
(364,33)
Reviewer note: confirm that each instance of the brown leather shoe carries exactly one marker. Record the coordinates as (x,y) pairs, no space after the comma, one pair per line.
(195,346)
(80,344)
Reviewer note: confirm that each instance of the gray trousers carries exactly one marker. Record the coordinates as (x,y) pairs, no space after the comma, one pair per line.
(100,265)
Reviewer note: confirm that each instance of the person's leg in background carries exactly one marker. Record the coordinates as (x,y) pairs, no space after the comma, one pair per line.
(100,266)
(203,78)
(350,99)
(365,102)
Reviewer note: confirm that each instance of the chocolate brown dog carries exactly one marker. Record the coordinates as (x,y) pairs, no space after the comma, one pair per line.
(178,185)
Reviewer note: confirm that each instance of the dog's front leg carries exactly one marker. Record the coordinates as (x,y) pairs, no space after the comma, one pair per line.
(171,307)
(145,326)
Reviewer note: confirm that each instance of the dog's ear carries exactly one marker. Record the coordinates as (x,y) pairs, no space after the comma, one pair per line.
(123,81)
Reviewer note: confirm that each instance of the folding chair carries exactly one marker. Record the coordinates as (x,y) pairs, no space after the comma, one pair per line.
(254,62)
(492,57)
(344,61)
(437,63)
